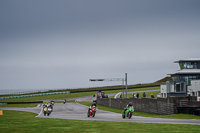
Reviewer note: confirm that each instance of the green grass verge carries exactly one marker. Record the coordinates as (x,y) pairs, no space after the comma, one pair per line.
(31,104)
(20,105)
(116,110)
(23,122)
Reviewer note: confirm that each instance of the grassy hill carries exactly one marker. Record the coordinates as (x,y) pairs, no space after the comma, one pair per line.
(163,80)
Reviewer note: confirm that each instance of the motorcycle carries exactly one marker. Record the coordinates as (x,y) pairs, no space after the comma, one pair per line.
(92,111)
(45,110)
(49,110)
(128,113)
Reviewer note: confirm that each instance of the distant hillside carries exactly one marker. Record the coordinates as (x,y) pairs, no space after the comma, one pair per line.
(117,87)
(163,80)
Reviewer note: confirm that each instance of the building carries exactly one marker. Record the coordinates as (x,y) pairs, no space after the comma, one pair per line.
(189,70)
(186,81)
(194,89)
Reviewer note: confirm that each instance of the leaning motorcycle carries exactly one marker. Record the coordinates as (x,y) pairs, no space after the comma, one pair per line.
(45,110)
(128,113)
(49,110)
(92,111)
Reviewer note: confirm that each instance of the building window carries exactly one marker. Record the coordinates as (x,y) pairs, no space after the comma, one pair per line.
(182,87)
(175,78)
(188,65)
(187,79)
(177,87)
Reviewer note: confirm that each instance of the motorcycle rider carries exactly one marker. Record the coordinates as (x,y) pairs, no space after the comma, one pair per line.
(64,101)
(49,105)
(127,106)
(93,104)
(45,105)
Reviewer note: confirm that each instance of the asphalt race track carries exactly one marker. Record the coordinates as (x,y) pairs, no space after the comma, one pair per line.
(76,111)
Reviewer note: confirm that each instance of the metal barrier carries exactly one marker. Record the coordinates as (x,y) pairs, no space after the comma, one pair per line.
(33,95)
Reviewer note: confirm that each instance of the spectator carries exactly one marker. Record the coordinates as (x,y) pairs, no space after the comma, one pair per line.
(102,95)
(137,95)
(144,95)
(189,98)
(152,96)
(186,100)
(134,96)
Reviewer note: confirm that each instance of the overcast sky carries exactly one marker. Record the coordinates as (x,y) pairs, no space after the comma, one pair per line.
(49,44)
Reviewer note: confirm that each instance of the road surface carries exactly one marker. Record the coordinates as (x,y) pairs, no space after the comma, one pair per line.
(76,111)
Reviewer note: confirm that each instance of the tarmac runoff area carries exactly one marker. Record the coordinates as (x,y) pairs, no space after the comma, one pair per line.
(77,111)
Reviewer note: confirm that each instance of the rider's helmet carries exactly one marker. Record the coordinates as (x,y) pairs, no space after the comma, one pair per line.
(130,104)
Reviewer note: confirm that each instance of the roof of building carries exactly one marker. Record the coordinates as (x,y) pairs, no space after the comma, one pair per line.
(186,71)
(189,59)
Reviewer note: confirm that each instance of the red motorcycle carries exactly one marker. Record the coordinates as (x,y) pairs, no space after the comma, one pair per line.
(92,111)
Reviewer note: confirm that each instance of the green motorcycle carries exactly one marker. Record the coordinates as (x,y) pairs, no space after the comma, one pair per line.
(128,112)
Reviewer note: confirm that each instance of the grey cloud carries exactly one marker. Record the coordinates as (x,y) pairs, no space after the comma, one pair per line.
(58,44)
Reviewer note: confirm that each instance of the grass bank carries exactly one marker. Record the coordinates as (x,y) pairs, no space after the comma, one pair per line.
(23,122)
(71,95)
(31,104)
